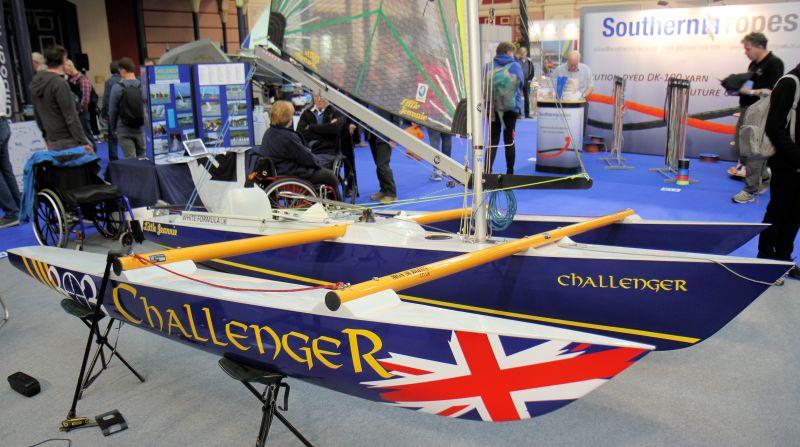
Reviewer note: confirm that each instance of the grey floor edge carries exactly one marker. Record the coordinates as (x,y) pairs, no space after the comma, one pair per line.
(738,388)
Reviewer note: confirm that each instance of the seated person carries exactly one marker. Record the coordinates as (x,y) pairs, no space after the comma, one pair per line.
(321,126)
(288,152)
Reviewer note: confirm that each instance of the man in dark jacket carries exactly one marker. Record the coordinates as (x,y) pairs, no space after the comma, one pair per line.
(527,75)
(765,69)
(783,210)
(110,83)
(53,106)
(288,152)
(130,136)
(321,127)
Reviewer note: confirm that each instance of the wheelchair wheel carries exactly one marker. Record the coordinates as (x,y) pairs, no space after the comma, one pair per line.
(49,219)
(294,185)
(347,182)
(107,218)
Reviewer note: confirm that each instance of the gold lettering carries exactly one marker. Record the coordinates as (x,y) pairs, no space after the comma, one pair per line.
(257,330)
(118,304)
(611,282)
(307,360)
(189,315)
(173,321)
(680,285)
(559,280)
(589,282)
(577,281)
(320,354)
(652,284)
(211,331)
(625,283)
(666,285)
(232,337)
(377,344)
(147,310)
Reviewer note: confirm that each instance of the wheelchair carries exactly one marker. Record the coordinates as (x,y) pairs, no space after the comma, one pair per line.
(67,197)
(266,177)
(346,173)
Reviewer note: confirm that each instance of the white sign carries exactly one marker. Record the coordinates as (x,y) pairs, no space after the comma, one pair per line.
(558,135)
(220,74)
(26,138)
(702,45)
(422,92)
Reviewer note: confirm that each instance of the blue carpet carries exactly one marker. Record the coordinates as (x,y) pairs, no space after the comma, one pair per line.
(639,188)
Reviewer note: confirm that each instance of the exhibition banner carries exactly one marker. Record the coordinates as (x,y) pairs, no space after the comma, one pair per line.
(703,45)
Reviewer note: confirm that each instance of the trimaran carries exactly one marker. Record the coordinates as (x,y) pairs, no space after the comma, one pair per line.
(472,315)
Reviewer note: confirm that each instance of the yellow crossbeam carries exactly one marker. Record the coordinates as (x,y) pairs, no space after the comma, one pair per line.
(435,270)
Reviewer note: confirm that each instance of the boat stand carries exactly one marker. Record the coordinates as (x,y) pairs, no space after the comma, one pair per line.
(274,382)
(85,314)
(91,316)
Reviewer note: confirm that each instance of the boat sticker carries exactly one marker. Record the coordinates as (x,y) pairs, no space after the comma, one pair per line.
(613,282)
(160,229)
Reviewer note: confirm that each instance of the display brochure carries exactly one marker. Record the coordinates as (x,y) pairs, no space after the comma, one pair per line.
(171,109)
(224,108)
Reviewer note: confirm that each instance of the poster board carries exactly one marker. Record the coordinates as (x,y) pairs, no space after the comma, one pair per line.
(26,138)
(224,99)
(170,109)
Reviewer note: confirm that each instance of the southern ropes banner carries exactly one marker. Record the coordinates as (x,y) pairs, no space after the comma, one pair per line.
(700,44)
(6,73)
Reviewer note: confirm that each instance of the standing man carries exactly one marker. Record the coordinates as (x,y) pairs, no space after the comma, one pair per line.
(53,106)
(82,88)
(110,83)
(126,111)
(527,74)
(581,72)
(507,79)
(382,154)
(9,192)
(37,60)
(783,210)
(765,69)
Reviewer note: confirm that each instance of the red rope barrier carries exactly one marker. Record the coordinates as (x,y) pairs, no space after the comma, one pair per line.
(236,289)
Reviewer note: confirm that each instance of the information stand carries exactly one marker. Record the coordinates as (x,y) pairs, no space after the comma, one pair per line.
(560,131)
(224,104)
(171,109)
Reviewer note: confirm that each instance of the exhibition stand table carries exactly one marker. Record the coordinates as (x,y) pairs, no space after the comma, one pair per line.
(560,131)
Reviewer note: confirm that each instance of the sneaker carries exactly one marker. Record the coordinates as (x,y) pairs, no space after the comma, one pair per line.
(378,195)
(743,197)
(387,199)
(794,272)
(437,175)
(6,222)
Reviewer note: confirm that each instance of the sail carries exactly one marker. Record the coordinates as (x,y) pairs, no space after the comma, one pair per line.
(405,57)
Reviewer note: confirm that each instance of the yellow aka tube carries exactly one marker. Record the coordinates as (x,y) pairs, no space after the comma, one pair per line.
(429,272)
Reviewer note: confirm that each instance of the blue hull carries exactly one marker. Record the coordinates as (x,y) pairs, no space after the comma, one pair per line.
(356,357)
(671,305)
(695,238)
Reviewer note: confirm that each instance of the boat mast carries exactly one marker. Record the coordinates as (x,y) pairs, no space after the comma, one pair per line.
(474,120)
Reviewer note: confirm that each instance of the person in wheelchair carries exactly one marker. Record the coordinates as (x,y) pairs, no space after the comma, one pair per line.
(321,126)
(287,150)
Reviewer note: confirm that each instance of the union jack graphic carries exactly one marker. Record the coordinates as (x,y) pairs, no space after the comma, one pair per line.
(496,385)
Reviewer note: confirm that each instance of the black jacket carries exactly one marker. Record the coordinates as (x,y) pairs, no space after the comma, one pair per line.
(764,74)
(288,152)
(787,152)
(326,136)
(55,111)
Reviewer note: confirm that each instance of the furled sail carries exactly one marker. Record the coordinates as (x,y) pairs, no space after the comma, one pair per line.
(406,57)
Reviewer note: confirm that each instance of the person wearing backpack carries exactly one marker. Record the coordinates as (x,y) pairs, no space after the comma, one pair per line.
(506,103)
(126,111)
(765,69)
(783,211)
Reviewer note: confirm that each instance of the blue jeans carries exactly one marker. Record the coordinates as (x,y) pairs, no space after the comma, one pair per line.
(9,191)
(446,139)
